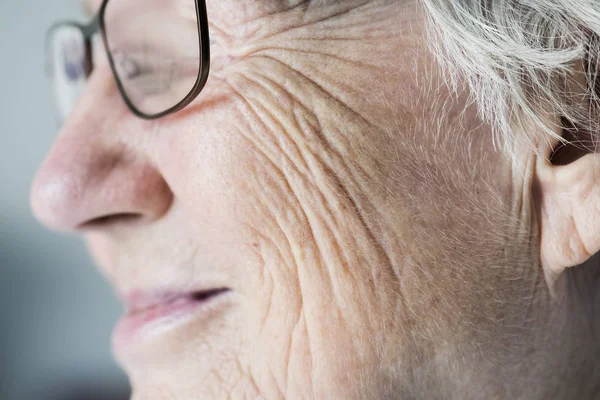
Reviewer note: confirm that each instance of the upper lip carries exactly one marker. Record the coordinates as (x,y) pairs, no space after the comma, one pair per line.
(141,300)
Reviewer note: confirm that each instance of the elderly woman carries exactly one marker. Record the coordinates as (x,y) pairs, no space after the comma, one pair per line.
(364,199)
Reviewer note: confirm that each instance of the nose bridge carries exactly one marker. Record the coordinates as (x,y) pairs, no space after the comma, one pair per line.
(101,90)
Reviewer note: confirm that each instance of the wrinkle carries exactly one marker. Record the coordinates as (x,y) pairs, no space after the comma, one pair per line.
(305,21)
(327,94)
(330,56)
(319,194)
(341,13)
(318,131)
(319,173)
(298,209)
(323,168)
(303,5)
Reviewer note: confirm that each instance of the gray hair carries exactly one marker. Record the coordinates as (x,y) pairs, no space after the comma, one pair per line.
(523,61)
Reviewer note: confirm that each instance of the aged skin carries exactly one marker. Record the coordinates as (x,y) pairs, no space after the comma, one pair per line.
(375,243)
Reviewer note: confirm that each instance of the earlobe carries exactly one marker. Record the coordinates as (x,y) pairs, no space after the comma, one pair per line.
(569,212)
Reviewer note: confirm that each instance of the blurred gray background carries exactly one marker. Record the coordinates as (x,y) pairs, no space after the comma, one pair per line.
(56,311)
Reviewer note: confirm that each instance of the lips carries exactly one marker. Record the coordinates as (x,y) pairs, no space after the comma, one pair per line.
(139,302)
(150,314)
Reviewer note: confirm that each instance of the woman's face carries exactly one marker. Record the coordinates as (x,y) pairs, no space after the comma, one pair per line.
(356,218)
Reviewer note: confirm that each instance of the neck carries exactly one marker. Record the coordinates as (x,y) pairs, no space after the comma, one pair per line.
(561,361)
(555,356)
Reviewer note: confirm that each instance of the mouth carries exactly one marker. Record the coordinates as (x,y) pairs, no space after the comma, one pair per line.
(152,314)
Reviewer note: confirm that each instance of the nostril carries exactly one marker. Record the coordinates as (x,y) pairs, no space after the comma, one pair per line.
(112,219)
(205,295)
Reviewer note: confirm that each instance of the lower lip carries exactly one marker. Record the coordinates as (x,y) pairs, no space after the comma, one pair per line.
(160,319)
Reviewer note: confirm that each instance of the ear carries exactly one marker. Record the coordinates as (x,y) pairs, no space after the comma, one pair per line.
(568,201)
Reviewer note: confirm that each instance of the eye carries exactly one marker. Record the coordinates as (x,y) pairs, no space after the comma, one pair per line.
(73,62)
(128,67)
(145,70)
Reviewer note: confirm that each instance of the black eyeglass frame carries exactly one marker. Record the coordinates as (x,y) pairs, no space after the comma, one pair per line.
(97,25)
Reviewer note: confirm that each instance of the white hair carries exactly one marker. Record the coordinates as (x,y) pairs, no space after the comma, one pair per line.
(523,61)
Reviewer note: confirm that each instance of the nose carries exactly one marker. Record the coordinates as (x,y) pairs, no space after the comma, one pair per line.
(93,177)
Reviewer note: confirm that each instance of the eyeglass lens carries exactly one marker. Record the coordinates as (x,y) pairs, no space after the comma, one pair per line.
(69,66)
(154,47)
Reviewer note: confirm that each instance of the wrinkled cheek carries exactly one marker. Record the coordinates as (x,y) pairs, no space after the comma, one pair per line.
(276,349)
(273,303)
(286,285)
(247,195)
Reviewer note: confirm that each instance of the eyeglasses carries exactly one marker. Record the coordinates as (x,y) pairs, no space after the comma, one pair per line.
(158,54)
